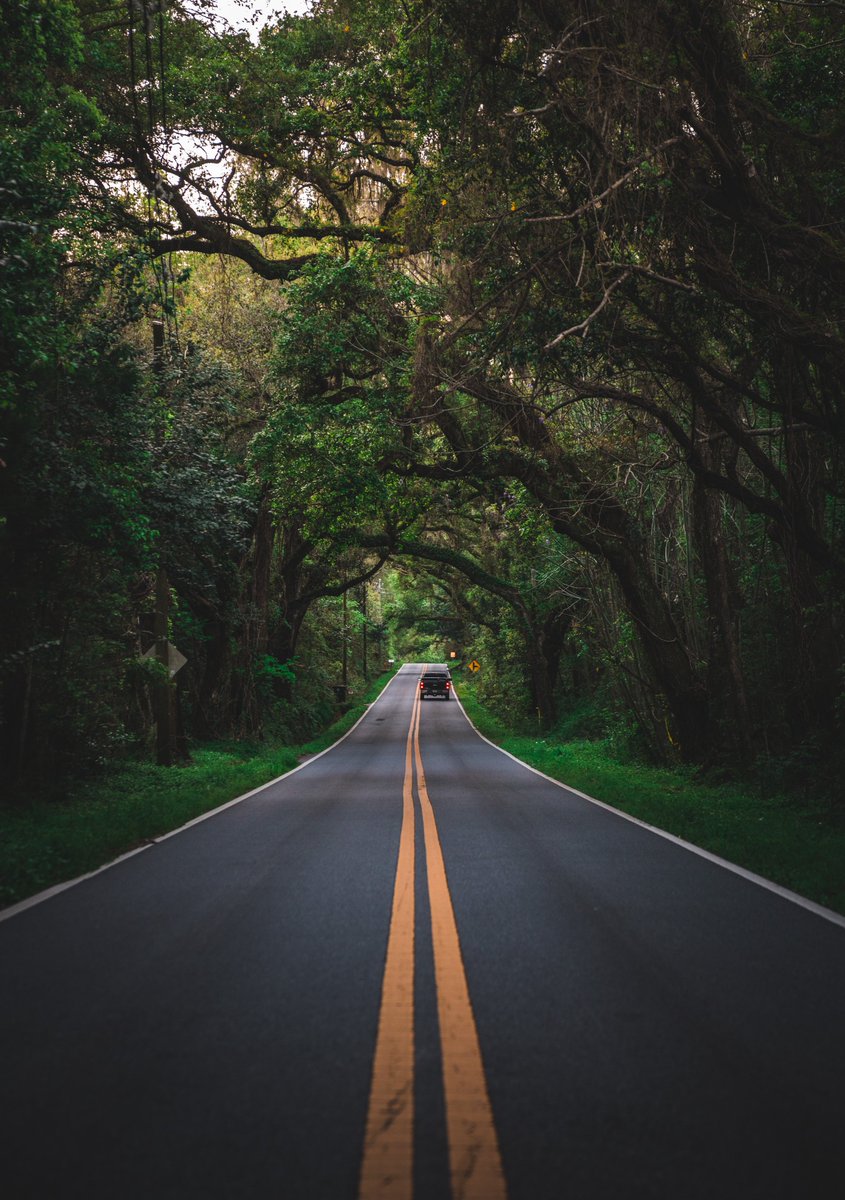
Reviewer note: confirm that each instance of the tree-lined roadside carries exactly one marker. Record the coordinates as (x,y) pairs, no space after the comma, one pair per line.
(520,333)
(795,841)
(42,844)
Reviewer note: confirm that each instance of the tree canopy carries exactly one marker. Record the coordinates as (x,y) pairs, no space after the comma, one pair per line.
(535,308)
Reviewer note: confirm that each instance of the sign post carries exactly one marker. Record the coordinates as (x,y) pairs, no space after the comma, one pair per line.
(170,660)
(163,693)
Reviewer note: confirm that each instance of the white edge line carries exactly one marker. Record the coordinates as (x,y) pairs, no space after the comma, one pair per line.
(48,893)
(760,880)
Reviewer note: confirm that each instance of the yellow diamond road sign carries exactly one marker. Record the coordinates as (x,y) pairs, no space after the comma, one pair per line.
(475,665)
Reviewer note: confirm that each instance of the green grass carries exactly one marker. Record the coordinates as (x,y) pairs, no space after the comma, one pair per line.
(45,843)
(798,844)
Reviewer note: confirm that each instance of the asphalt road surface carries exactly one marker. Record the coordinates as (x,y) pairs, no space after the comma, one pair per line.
(414,968)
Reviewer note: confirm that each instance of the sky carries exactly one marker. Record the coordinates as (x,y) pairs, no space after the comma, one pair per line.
(239,12)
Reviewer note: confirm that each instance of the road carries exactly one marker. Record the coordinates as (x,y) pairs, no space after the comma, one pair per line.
(414,968)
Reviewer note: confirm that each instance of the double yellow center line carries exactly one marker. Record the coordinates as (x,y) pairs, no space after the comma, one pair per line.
(474,1160)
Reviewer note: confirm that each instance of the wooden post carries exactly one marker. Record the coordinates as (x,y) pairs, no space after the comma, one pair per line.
(162,690)
(345,652)
(364,630)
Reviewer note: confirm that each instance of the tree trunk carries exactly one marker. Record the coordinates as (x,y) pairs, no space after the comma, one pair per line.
(666,653)
(544,644)
(817,640)
(255,631)
(163,698)
(726,688)
(542,689)
(598,522)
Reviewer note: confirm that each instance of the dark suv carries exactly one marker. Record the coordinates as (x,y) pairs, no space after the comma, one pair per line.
(436,683)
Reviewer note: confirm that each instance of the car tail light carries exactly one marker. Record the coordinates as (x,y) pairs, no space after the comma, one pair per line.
(448,685)
(422,685)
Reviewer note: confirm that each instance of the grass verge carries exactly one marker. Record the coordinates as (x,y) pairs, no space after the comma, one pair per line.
(42,844)
(798,844)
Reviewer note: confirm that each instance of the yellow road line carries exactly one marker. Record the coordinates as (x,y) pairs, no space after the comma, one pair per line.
(387,1168)
(474,1158)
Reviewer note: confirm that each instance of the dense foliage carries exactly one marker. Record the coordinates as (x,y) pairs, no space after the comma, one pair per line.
(519,326)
